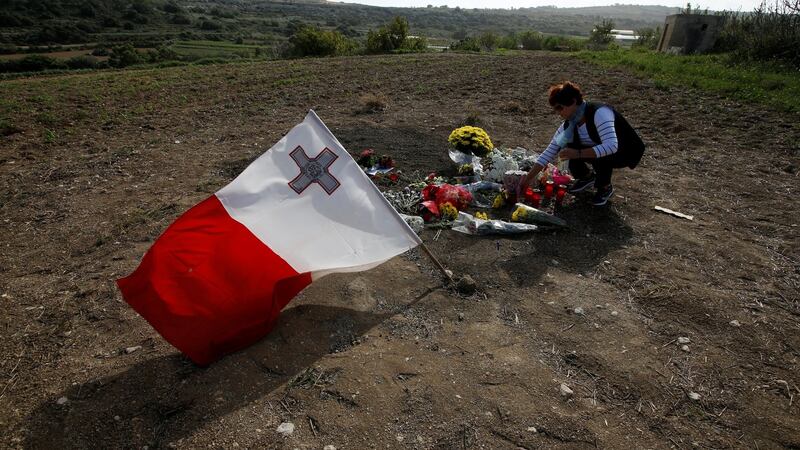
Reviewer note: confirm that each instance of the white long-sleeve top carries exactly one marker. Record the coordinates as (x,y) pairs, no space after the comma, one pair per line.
(604,121)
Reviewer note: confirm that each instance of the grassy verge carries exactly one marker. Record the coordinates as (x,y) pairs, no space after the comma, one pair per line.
(771,85)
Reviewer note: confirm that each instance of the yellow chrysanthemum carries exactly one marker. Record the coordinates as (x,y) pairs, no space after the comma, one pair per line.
(518,215)
(481,215)
(499,201)
(448,211)
(471,139)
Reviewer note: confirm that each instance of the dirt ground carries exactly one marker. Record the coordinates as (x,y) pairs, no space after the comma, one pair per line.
(96,166)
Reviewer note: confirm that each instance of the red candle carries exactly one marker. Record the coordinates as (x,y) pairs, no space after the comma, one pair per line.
(548,189)
(560,193)
(533,197)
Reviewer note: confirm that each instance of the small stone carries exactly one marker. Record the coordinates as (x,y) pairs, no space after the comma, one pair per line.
(685,348)
(62,400)
(466,285)
(130,350)
(683,340)
(532,429)
(578,311)
(735,323)
(614,313)
(565,390)
(117,418)
(460,317)
(329,447)
(694,396)
(286,428)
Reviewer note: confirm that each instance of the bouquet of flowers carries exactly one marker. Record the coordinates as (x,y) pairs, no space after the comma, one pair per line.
(471,140)
(367,158)
(385,162)
(527,214)
(448,211)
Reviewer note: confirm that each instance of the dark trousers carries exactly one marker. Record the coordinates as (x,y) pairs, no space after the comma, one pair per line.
(602,168)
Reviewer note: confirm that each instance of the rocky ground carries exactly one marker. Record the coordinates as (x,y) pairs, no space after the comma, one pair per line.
(631,329)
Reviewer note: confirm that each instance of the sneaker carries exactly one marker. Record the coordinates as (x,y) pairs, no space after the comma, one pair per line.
(602,196)
(581,185)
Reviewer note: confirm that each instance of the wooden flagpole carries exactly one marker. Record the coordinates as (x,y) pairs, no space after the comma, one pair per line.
(446,272)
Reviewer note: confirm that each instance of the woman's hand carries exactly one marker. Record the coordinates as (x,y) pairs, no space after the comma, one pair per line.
(569,153)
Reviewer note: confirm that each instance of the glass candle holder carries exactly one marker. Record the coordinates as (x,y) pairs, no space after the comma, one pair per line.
(533,197)
(548,189)
(560,192)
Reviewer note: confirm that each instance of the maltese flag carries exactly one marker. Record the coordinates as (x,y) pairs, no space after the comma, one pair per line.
(217,279)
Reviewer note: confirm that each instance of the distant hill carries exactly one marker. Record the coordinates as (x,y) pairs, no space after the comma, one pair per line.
(43,22)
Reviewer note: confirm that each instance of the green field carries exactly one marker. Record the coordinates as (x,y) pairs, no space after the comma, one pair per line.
(767,84)
(216,49)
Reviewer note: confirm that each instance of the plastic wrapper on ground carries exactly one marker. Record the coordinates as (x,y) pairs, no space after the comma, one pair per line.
(501,163)
(468,224)
(526,214)
(462,158)
(415,222)
(512,179)
(483,193)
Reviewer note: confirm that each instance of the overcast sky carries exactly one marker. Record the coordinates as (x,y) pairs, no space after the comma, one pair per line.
(717,5)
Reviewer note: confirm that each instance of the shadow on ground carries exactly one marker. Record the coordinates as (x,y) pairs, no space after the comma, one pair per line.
(164,399)
(593,234)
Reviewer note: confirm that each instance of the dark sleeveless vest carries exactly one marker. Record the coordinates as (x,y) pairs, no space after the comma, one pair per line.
(630,144)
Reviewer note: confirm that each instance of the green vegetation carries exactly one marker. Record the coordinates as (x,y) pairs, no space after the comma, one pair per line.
(528,40)
(765,83)
(769,33)
(601,37)
(313,41)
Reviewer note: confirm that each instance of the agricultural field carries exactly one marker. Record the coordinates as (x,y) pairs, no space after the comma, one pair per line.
(666,332)
(190,50)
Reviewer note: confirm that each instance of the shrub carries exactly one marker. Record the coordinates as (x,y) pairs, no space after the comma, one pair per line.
(312,41)
(35,63)
(488,41)
(562,44)
(509,41)
(531,40)
(469,44)
(769,33)
(82,62)
(172,7)
(373,102)
(124,55)
(414,45)
(600,38)
(647,38)
(388,38)
(180,19)
(210,25)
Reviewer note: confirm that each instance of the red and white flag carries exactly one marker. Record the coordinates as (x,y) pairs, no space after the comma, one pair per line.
(218,277)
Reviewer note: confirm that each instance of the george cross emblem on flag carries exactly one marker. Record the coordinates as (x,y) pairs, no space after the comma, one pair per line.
(314,170)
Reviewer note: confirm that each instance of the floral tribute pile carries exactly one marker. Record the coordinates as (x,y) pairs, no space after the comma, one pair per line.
(482,197)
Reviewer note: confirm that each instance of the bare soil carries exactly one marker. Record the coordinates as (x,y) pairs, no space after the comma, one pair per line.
(97,165)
